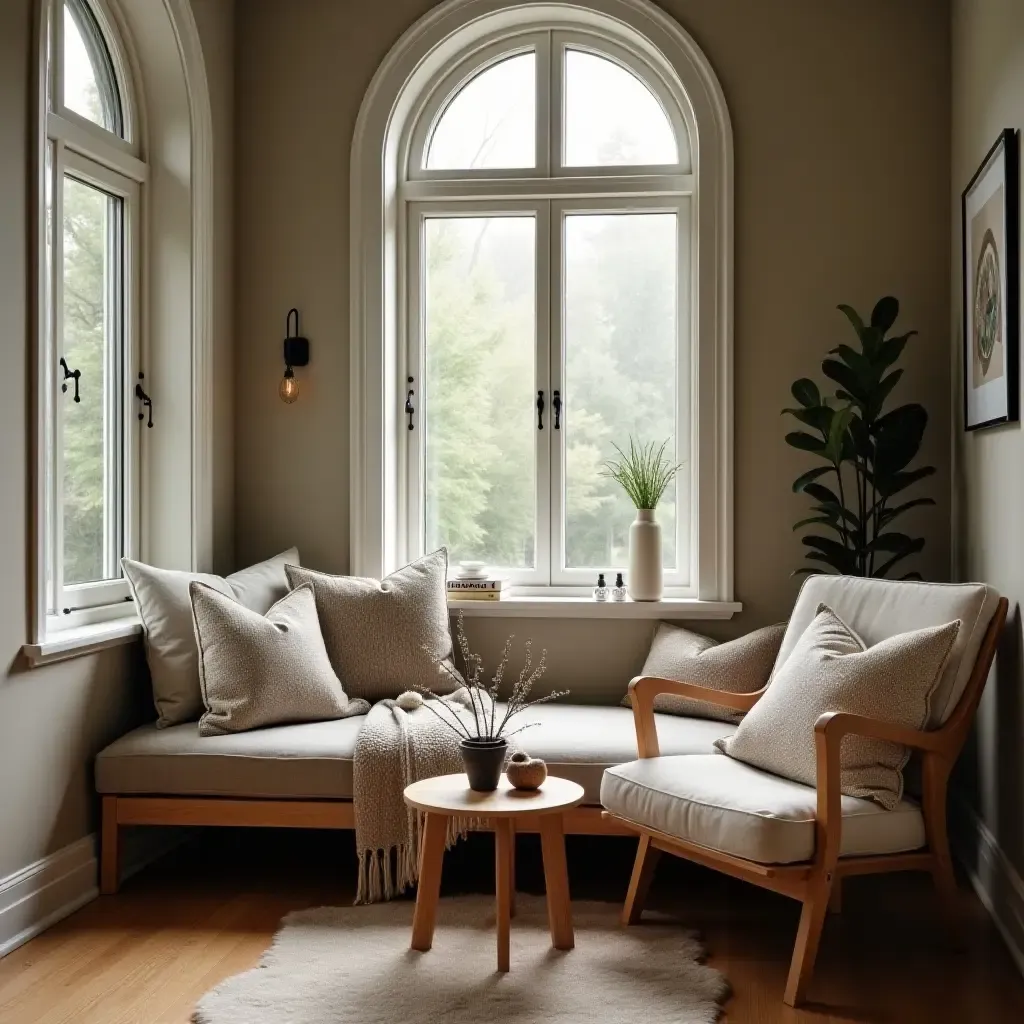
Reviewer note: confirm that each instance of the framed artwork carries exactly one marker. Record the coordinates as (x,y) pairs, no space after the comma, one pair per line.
(991,272)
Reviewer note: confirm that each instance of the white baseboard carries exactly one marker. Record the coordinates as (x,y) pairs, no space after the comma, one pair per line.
(995,880)
(43,893)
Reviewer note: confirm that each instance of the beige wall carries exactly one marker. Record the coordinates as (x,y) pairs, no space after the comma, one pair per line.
(988,95)
(841,119)
(54,719)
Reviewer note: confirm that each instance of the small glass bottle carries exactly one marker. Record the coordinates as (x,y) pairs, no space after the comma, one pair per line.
(601,590)
(619,590)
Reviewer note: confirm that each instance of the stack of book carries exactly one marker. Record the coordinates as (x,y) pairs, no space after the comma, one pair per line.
(475,589)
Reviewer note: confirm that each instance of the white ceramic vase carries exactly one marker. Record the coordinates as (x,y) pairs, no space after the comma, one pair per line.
(644,580)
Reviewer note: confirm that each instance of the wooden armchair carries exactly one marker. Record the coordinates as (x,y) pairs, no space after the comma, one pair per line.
(816,882)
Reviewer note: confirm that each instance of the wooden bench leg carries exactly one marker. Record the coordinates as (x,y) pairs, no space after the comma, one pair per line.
(647,857)
(435,829)
(110,847)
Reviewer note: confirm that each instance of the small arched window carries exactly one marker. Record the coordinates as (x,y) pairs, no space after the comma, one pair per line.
(541,300)
(89,351)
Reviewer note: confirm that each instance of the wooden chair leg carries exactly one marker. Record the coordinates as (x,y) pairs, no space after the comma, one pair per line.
(808,937)
(110,847)
(934,809)
(647,857)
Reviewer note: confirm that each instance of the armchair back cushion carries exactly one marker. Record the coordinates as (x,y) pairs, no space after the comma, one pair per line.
(831,669)
(879,609)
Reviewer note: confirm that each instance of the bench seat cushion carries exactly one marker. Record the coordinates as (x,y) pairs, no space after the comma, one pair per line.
(314,760)
(725,805)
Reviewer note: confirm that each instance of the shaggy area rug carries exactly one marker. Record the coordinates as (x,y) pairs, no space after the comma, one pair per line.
(353,965)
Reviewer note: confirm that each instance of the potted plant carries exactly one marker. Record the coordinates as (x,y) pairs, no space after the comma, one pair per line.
(483,741)
(867,452)
(644,472)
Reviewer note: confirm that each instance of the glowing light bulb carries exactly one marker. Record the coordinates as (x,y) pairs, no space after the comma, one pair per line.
(289,389)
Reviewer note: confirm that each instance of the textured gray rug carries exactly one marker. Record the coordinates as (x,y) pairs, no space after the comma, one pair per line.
(353,965)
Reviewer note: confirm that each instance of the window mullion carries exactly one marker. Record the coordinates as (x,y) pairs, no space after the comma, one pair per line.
(546,440)
(56,396)
(556,362)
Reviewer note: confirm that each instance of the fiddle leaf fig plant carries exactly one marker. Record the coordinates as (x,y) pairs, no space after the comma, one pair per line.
(866,451)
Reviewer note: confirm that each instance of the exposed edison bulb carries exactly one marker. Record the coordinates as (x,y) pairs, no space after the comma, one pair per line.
(289,389)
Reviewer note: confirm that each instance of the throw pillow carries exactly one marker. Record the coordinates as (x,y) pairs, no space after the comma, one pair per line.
(165,608)
(386,636)
(742,665)
(831,669)
(257,670)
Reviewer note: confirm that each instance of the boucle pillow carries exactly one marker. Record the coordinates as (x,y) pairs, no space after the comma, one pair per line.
(742,665)
(165,608)
(257,670)
(831,669)
(387,636)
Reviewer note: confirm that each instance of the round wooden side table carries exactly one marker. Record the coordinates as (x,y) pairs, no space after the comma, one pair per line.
(450,796)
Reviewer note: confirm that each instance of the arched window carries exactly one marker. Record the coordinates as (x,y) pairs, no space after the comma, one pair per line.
(555,278)
(90,350)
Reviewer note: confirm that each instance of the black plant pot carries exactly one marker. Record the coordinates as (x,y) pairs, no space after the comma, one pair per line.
(484,760)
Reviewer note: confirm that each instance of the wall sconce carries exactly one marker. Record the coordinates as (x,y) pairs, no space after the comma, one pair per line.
(296,353)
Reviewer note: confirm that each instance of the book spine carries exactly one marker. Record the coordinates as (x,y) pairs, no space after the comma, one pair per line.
(476,586)
(474,595)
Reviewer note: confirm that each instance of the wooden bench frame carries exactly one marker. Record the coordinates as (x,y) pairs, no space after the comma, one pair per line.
(817,885)
(121,811)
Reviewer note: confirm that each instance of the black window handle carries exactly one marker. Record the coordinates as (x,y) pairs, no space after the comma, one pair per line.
(147,402)
(540,410)
(409,410)
(556,404)
(74,375)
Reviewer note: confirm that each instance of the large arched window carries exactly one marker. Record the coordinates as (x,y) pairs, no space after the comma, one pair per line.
(92,308)
(122,329)
(555,279)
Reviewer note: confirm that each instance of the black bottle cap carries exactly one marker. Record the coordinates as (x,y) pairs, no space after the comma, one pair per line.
(618,579)
(600,580)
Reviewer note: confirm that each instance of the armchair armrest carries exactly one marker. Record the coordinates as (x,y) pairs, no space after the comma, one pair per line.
(829,731)
(643,690)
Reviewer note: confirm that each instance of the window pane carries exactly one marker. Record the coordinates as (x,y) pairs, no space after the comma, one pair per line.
(480,467)
(611,117)
(90,86)
(490,122)
(90,429)
(620,373)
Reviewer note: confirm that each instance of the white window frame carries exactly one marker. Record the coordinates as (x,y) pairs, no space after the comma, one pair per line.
(412,86)
(81,150)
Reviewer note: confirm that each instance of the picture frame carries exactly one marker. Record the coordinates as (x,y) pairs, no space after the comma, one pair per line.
(990,243)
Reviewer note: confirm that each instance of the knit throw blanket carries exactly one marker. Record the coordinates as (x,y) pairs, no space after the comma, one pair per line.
(394,749)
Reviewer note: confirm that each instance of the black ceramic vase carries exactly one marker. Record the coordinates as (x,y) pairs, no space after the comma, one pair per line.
(484,760)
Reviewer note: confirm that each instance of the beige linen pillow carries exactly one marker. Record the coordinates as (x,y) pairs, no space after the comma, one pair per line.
(376,630)
(257,670)
(165,608)
(831,669)
(742,665)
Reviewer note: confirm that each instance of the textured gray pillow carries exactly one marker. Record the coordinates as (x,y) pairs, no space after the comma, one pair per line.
(742,665)
(257,670)
(831,669)
(376,630)
(162,599)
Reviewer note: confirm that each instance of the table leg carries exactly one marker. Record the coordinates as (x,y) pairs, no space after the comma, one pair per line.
(512,866)
(503,886)
(435,828)
(556,881)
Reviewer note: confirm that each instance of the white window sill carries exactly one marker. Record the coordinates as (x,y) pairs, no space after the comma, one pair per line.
(79,640)
(588,608)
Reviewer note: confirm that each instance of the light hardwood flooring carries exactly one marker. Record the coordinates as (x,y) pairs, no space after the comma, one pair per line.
(146,955)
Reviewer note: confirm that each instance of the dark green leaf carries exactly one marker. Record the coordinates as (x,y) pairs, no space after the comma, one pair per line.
(884,568)
(883,316)
(817,416)
(837,434)
(821,493)
(809,477)
(912,576)
(860,436)
(891,513)
(817,520)
(843,567)
(883,390)
(846,379)
(837,512)
(835,553)
(856,362)
(892,348)
(806,442)
(872,339)
(806,392)
(853,316)
(891,542)
(890,485)
(898,436)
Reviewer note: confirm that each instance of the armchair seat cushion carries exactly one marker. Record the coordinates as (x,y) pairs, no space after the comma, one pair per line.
(725,805)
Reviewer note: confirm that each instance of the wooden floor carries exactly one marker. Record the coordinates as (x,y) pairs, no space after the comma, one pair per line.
(146,955)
